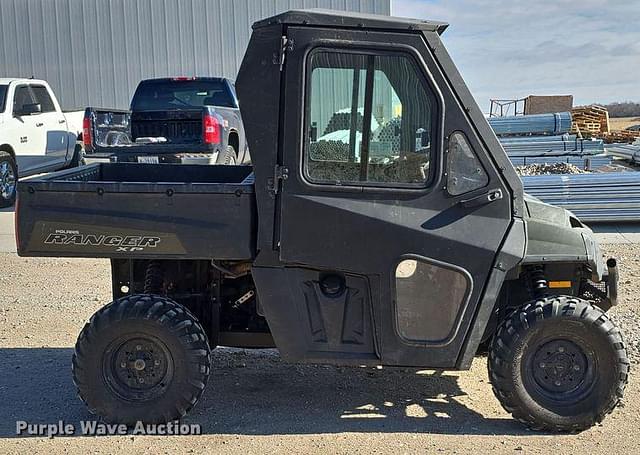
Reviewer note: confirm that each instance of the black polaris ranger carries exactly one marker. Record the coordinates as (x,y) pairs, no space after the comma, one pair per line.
(381,224)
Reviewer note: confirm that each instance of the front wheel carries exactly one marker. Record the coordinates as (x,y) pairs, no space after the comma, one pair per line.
(558,364)
(141,358)
(8,179)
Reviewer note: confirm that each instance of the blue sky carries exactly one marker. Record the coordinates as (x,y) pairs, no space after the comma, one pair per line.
(511,49)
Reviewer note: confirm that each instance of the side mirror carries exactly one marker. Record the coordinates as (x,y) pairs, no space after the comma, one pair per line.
(30,109)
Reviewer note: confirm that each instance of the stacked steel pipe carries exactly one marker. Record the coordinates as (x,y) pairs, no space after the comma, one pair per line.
(557,123)
(607,196)
(544,138)
(550,145)
(626,151)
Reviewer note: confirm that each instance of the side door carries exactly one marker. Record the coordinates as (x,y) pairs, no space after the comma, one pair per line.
(55,125)
(389,182)
(28,131)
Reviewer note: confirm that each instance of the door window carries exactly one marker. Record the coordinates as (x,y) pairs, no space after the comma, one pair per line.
(3,96)
(370,120)
(42,97)
(21,97)
(429,298)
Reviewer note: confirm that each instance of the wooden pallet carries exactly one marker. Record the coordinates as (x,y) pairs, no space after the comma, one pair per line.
(590,121)
(621,136)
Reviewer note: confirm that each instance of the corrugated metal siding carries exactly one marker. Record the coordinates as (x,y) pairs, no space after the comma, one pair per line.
(94,52)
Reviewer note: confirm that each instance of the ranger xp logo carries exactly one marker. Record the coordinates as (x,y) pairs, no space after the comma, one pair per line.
(121,243)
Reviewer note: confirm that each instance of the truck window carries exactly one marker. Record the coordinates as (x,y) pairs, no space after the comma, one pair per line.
(21,96)
(167,94)
(42,97)
(465,170)
(3,96)
(369,120)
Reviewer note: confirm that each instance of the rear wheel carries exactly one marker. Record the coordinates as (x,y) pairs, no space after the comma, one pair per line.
(558,364)
(78,158)
(227,156)
(8,179)
(141,358)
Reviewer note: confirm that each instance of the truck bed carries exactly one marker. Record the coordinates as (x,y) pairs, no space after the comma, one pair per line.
(127,210)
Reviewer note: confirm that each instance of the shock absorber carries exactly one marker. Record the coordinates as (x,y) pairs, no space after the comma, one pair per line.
(154,278)
(538,281)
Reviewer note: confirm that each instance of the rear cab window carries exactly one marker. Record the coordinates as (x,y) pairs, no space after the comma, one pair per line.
(175,94)
(371,120)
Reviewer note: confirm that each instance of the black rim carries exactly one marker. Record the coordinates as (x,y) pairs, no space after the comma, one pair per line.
(560,370)
(138,367)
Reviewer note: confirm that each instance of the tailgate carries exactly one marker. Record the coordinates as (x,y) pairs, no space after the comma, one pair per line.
(178,126)
(115,210)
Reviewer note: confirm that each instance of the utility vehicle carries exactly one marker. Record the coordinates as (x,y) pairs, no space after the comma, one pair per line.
(396,234)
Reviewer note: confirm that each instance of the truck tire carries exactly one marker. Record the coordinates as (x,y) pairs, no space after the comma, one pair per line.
(558,364)
(78,157)
(142,358)
(229,156)
(8,179)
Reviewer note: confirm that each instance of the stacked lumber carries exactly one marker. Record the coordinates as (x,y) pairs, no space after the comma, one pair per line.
(589,121)
(623,136)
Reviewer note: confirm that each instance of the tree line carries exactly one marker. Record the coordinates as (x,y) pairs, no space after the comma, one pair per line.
(624,109)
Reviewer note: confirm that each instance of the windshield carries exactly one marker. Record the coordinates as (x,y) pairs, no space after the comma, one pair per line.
(158,95)
(3,96)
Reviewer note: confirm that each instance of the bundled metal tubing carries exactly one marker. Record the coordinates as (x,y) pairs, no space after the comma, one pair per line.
(610,196)
(532,146)
(625,151)
(557,123)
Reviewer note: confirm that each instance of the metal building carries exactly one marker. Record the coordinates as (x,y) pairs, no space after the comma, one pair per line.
(94,52)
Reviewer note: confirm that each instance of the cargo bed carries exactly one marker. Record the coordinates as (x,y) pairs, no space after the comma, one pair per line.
(131,210)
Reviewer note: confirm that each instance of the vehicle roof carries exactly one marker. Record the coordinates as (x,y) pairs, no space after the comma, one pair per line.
(8,80)
(187,78)
(342,19)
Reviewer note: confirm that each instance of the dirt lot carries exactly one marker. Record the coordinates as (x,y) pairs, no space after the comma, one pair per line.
(255,403)
(621,123)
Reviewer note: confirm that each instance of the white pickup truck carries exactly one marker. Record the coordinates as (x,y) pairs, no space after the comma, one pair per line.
(35,134)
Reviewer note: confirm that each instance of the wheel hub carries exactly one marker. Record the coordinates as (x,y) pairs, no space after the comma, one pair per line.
(7,180)
(559,366)
(140,368)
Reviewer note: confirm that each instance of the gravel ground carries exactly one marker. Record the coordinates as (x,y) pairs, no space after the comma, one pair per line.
(255,403)
(548,169)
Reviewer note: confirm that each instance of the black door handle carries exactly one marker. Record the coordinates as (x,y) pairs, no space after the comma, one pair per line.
(39,124)
(61,121)
(486,198)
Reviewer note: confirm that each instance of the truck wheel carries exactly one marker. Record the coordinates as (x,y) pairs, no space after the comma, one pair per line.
(558,364)
(78,157)
(228,156)
(141,358)
(8,179)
